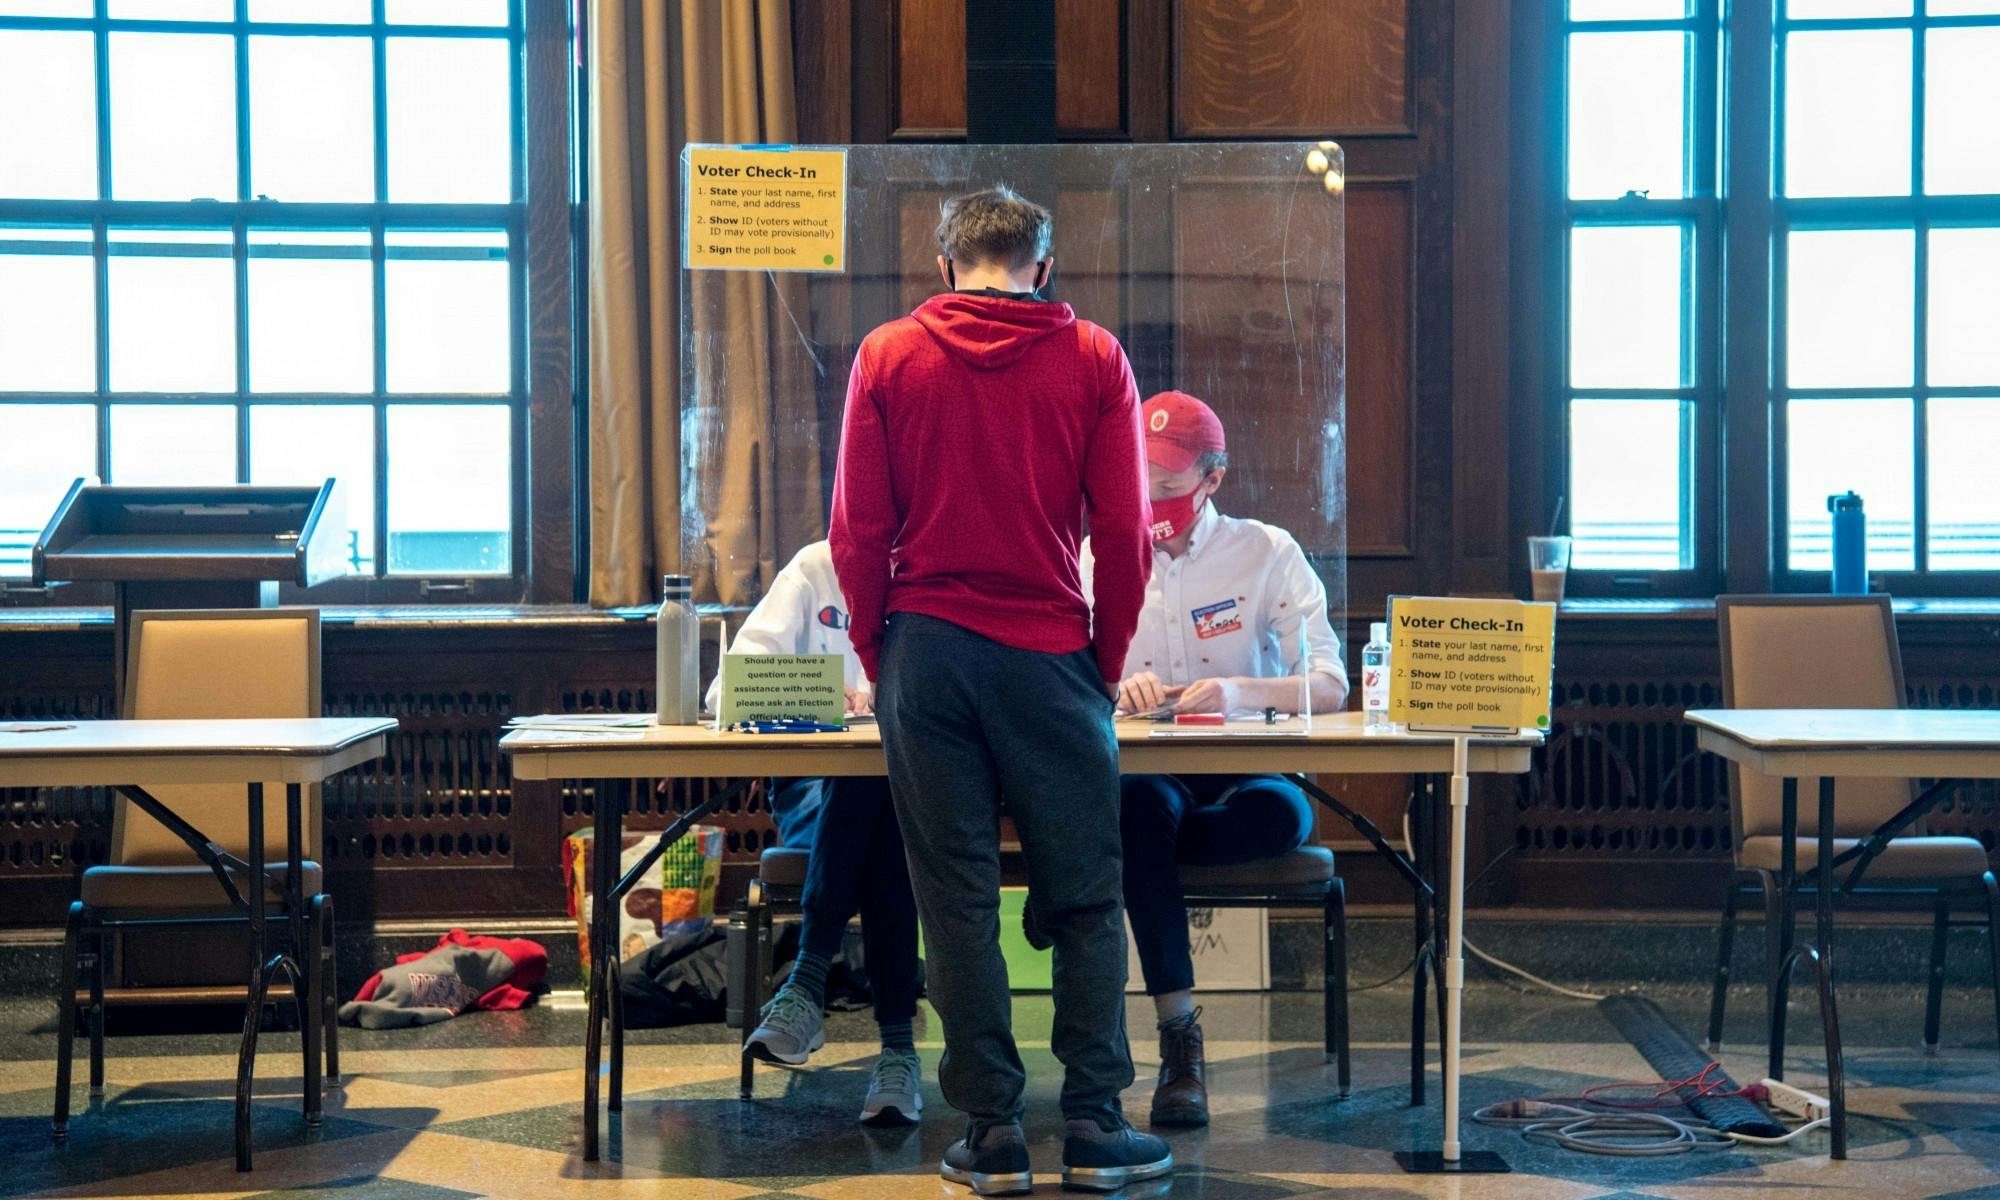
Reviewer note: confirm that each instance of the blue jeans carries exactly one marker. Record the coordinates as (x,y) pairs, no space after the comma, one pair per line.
(857,866)
(1195,820)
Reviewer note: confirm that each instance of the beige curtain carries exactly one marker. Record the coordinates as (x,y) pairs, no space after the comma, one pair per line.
(664,73)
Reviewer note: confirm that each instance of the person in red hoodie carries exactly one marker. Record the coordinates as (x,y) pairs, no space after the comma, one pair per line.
(981,433)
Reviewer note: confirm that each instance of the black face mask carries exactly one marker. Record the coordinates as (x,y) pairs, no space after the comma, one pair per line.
(1041,281)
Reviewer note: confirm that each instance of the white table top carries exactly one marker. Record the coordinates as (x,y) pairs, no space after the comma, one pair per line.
(1337,743)
(1887,742)
(87,753)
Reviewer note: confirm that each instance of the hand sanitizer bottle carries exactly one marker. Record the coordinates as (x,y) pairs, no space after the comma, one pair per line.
(1375,677)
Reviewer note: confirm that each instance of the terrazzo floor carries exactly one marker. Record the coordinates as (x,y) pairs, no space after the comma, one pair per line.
(489,1105)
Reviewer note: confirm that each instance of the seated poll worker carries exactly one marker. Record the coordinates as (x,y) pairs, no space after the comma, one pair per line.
(857,864)
(1227,603)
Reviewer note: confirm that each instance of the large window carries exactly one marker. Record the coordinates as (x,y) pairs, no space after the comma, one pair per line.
(1877,325)
(269,241)
(1887,266)
(1640,233)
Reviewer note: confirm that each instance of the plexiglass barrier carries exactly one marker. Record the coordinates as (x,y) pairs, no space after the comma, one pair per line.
(1219,267)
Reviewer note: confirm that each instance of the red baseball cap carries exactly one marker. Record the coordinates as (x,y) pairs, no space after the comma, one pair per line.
(1179,430)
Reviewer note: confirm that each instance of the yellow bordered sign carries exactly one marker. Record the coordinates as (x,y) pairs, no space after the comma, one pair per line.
(764,208)
(1470,665)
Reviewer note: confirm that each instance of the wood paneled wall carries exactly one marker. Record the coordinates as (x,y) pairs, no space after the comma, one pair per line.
(1382,77)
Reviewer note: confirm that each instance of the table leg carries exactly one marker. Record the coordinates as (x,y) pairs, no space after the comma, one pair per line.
(1778,940)
(1420,983)
(1823,973)
(253,1005)
(604,857)
(304,950)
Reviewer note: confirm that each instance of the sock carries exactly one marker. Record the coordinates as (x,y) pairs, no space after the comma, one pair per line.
(1174,1006)
(900,1035)
(809,976)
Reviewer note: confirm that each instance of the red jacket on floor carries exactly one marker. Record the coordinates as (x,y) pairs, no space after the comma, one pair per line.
(980,433)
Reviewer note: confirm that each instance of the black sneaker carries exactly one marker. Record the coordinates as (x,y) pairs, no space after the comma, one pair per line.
(1104,1154)
(992,1160)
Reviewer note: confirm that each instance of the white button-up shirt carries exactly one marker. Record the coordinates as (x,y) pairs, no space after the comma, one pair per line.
(1233,605)
(803,613)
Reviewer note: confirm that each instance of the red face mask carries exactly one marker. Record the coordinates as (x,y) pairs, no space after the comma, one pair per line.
(1175,515)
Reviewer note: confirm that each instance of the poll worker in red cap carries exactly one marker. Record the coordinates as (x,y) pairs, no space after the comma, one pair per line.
(1234,621)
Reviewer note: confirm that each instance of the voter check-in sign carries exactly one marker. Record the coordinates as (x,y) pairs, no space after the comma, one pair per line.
(765,208)
(777,687)
(1474,666)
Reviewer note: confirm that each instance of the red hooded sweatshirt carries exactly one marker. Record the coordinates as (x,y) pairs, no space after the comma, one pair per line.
(980,433)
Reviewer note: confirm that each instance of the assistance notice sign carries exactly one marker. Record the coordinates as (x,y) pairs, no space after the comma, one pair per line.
(1470,665)
(780,687)
(765,208)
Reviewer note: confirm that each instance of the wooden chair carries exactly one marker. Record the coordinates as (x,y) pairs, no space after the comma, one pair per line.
(1833,652)
(239,663)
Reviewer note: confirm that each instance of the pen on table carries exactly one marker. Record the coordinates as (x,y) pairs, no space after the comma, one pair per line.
(786,727)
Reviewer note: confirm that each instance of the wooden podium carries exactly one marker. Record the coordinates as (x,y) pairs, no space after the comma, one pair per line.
(191,547)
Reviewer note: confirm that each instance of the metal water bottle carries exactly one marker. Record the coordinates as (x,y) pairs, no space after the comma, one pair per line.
(677,654)
(1850,545)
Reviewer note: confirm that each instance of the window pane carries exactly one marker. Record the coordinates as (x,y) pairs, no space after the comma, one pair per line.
(450,489)
(446,12)
(1964,314)
(1961,96)
(173,443)
(1627,114)
(449,117)
(312,312)
(173,311)
(1625,305)
(1852,305)
(308,443)
(1628,485)
(1863,446)
(45,8)
(1964,487)
(48,106)
(448,327)
(1627,10)
(1800,10)
(48,315)
(1847,113)
(174,10)
(317,12)
(1963,8)
(312,124)
(173,116)
(46,448)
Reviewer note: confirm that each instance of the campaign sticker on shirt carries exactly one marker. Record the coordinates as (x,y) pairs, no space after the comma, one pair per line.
(833,618)
(1214,620)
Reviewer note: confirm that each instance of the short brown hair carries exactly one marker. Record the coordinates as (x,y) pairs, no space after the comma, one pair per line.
(994,226)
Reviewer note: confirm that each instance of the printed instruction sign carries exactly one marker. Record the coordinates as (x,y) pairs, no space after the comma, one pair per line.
(765,208)
(773,687)
(1470,665)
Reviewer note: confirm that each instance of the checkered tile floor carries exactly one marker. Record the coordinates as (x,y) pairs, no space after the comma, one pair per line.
(489,1106)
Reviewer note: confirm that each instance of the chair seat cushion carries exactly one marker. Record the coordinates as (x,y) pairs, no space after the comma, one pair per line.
(1902,858)
(783,866)
(1306,871)
(176,888)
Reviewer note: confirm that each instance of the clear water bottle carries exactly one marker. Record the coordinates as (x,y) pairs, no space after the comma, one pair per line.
(1375,677)
(677,654)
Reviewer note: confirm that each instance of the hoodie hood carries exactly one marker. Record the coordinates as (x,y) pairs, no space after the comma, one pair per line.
(989,331)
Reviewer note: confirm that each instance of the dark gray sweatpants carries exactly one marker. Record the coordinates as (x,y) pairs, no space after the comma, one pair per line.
(973,729)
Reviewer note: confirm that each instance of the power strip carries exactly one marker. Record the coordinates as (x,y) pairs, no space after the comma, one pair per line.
(1798,1101)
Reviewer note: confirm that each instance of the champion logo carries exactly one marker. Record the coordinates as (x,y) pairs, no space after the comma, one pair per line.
(833,618)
